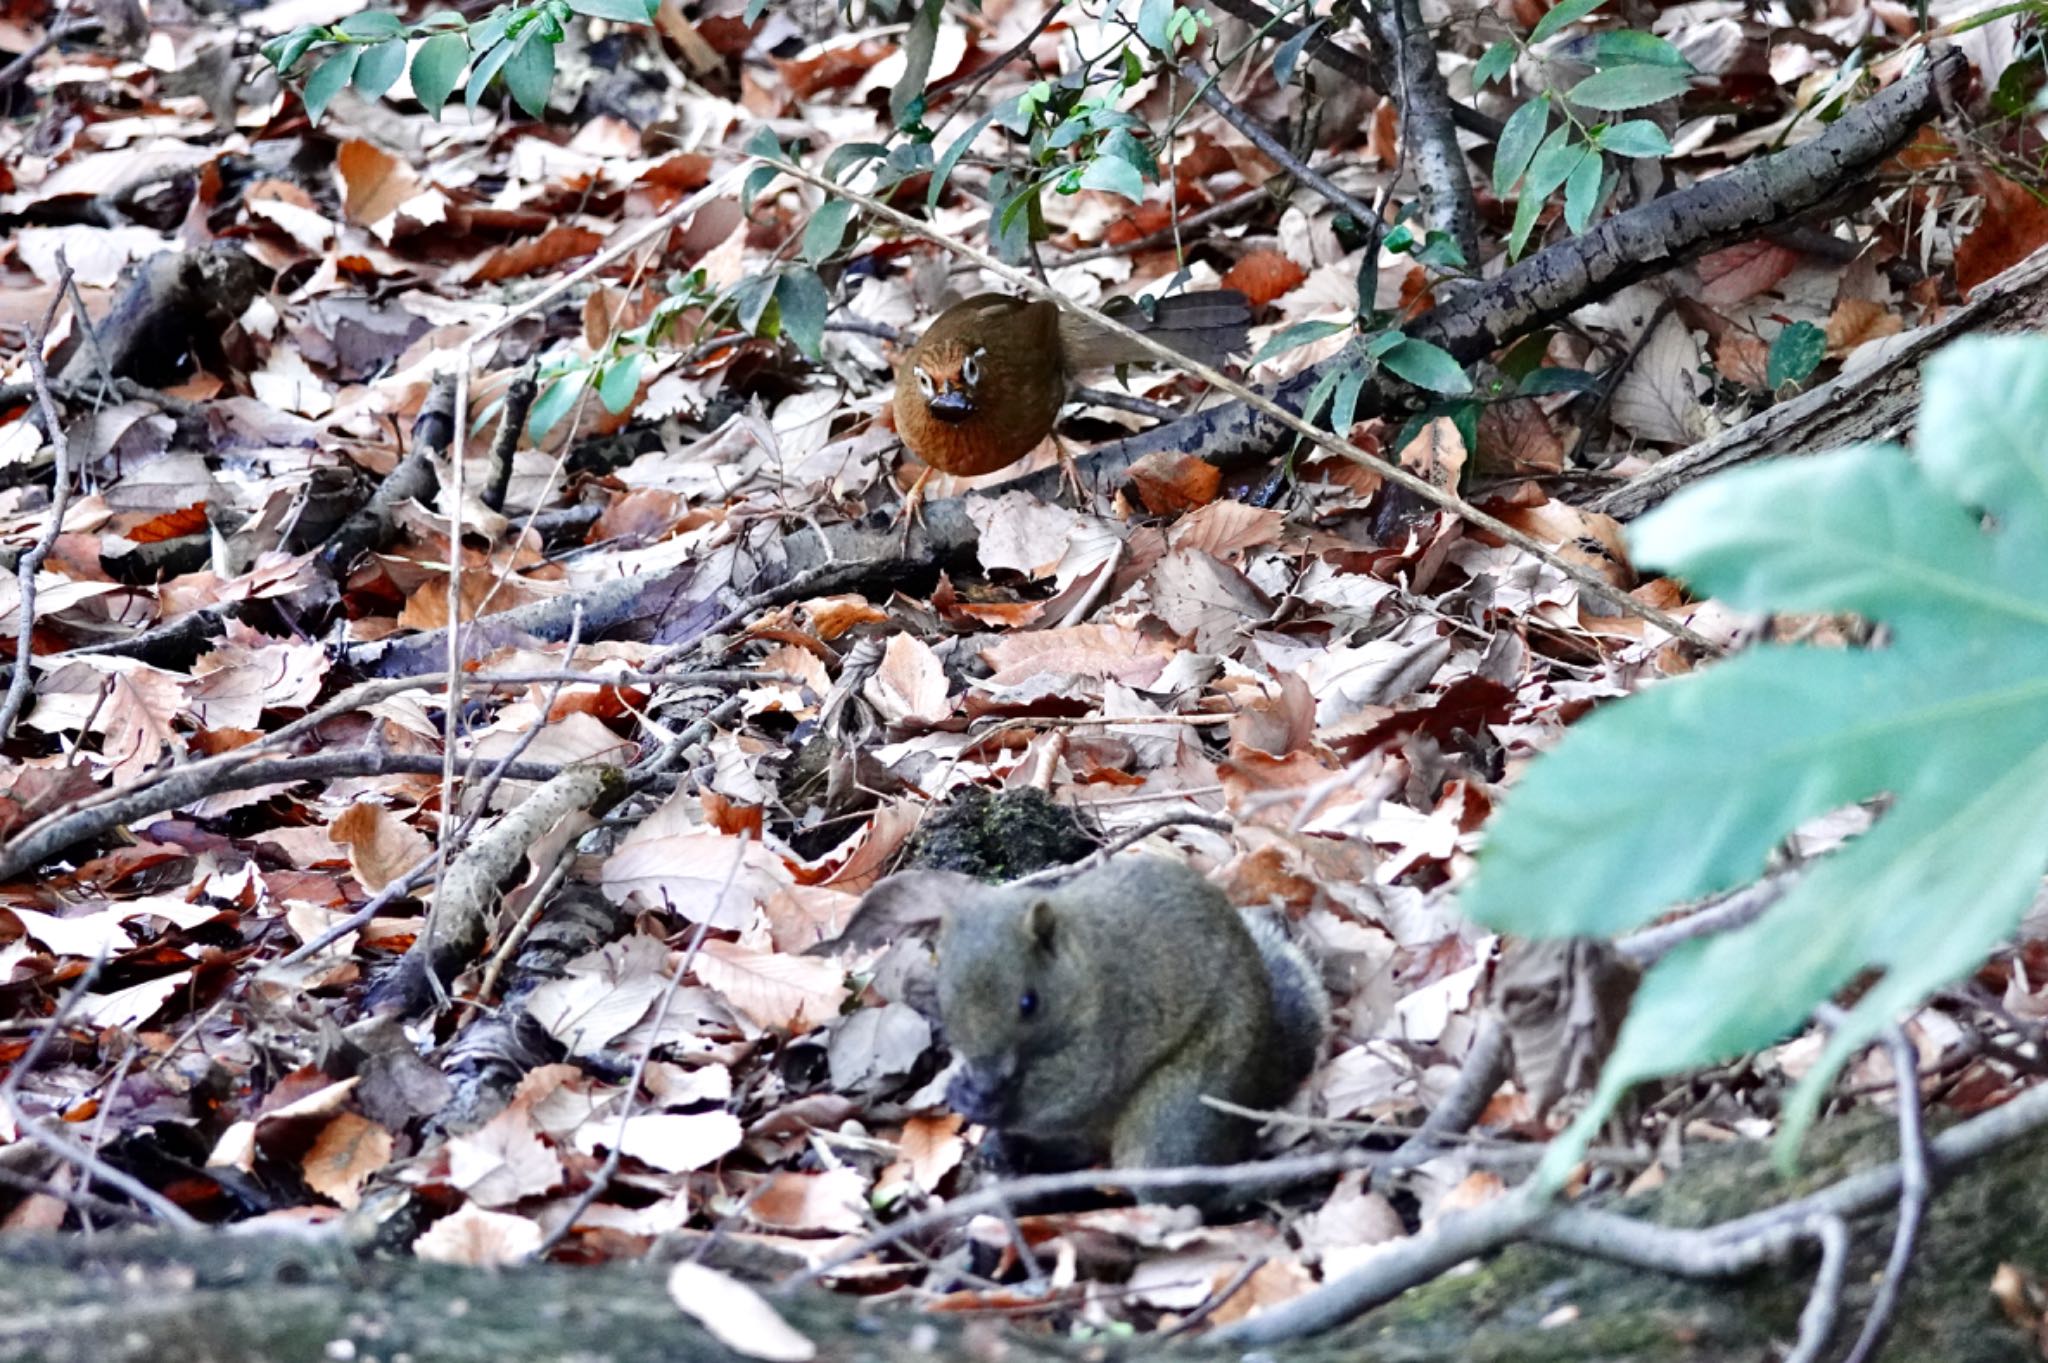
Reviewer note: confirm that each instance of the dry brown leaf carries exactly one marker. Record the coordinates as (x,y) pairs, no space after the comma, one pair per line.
(675,1143)
(349,1149)
(910,685)
(784,993)
(381,848)
(831,1201)
(1108,651)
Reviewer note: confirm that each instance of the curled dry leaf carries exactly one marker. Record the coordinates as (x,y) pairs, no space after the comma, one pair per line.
(381,848)
(477,1238)
(736,1315)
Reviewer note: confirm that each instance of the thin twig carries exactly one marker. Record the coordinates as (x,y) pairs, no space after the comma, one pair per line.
(1588,581)
(60,497)
(1215,1300)
(1129,838)
(1271,147)
(1916,1188)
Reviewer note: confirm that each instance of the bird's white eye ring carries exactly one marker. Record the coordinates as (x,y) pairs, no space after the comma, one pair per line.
(924,383)
(970,369)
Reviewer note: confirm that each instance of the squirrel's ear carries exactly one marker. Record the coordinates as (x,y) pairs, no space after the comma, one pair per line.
(909,901)
(1038,924)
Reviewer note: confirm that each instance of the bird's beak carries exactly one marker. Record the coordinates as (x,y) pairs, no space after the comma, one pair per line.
(951,405)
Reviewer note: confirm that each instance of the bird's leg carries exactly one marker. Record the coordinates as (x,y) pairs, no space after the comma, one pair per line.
(911,513)
(1070,475)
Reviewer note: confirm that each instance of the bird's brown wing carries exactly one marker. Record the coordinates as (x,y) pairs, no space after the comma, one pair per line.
(1207,327)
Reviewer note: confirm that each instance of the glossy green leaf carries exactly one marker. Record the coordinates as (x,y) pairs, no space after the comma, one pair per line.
(436,68)
(329,79)
(906,101)
(1539,382)
(530,72)
(371,23)
(1288,55)
(1427,366)
(485,69)
(284,52)
(1553,164)
(379,68)
(801,296)
(620,382)
(1494,64)
(826,229)
(1796,351)
(1636,137)
(1582,190)
(1629,87)
(849,154)
(943,171)
(1114,175)
(1633,47)
(1299,334)
(1520,136)
(554,403)
(619,11)
(1154,20)
(1569,12)
(1947,547)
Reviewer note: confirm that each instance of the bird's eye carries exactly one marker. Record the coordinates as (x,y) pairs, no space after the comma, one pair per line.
(924,383)
(1028,1004)
(970,369)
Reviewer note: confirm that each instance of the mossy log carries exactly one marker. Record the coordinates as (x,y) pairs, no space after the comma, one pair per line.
(231,1297)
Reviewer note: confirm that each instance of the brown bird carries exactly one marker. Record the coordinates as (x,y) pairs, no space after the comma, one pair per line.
(985,384)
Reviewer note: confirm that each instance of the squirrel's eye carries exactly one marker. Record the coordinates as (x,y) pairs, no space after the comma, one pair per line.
(970,369)
(924,383)
(1028,1004)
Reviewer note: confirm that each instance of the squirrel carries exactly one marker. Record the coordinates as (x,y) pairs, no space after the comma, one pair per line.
(1091,1017)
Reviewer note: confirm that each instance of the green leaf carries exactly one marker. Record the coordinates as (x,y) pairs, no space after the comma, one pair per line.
(436,67)
(1636,137)
(1154,17)
(1582,191)
(849,154)
(1570,12)
(1629,87)
(329,79)
(1494,65)
(619,384)
(801,297)
(1631,47)
(530,71)
(1520,136)
(1114,175)
(379,68)
(1288,55)
(755,9)
(1344,402)
(906,101)
(944,169)
(1554,163)
(283,53)
(370,24)
(619,11)
(1540,382)
(826,229)
(554,403)
(485,69)
(1427,366)
(1946,547)
(1796,352)
(750,300)
(1299,334)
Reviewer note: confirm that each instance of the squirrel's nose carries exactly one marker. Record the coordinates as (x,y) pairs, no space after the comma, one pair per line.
(951,405)
(978,1092)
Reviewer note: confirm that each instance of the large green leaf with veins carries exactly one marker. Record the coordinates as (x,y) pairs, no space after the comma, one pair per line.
(1685,789)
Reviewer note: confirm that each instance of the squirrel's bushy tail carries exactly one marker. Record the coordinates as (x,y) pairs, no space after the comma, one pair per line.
(1301,1006)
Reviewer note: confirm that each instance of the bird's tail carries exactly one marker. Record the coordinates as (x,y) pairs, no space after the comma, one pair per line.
(1207,327)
